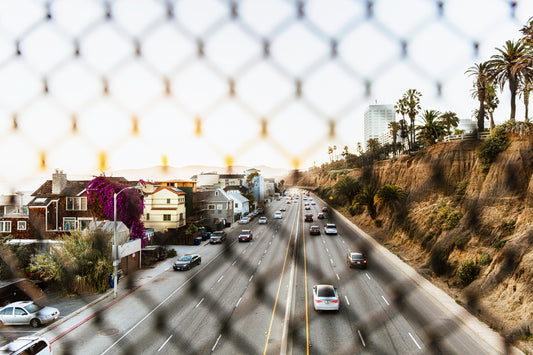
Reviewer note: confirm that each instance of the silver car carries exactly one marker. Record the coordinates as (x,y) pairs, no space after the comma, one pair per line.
(325,298)
(27,312)
(330,228)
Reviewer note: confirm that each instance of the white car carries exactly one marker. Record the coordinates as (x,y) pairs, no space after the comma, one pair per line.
(262,220)
(244,220)
(27,345)
(27,312)
(325,298)
(278,215)
(330,228)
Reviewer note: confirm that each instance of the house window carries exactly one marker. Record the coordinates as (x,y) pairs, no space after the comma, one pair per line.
(148,216)
(69,223)
(219,206)
(5,226)
(211,207)
(168,201)
(76,203)
(181,216)
(236,205)
(83,223)
(166,217)
(21,225)
(216,193)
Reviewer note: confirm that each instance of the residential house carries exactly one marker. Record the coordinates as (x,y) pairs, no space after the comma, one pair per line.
(241,205)
(270,187)
(230,180)
(14,219)
(187,186)
(164,207)
(60,205)
(213,208)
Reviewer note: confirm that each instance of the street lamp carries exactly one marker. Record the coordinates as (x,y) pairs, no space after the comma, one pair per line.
(116,256)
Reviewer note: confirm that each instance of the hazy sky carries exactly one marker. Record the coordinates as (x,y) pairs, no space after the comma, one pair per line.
(165,104)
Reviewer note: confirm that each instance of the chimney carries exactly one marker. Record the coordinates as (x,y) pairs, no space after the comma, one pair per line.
(59,181)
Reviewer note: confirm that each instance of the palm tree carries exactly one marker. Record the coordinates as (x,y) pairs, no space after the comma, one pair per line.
(482,74)
(389,196)
(401,108)
(449,119)
(433,129)
(335,152)
(366,198)
(491,103)
(412,102)
(404,131)
(330,152)
(510,65)
(394,127)
(524,90)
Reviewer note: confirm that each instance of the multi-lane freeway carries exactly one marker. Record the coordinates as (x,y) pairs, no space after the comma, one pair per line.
(256,298)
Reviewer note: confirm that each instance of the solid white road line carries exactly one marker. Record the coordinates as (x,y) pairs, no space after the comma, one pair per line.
(338,278)
(385,301)
(361,337)
(199,303)
(327,250)
(348,302)
(367,276)
(165,343)
(239,301)
(216,343)
(234,263)
(259,263)
(331,260)
(414,341)
(251,277)
(220,279)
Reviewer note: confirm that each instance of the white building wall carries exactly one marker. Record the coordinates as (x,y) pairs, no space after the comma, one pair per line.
(376,121)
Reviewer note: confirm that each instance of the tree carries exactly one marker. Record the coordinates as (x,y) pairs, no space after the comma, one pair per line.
(401,108)
(450,120)
(524,90)
(250,180)
(510,66)
(335,152)
(359,148)
(491,102)
(394,127)
(433,129)
(404,131)
(250,198)
(482,74)
(366,198)
(346,188)
(389,196)
(412,102)
(330,153)
(130,205)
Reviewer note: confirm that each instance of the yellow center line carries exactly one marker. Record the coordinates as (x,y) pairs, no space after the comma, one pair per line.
(279,285)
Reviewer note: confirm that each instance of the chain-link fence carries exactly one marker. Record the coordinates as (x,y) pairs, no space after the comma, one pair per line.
(99,85)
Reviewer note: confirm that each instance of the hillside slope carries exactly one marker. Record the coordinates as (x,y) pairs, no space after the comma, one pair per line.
(456,213)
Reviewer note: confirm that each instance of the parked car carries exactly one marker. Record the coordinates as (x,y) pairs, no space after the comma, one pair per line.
(27,345)
(325,298)
(246,235)
(244,220)
(27,312)
(217,237)
(356,260)
(314,230)
(330,228)
(260,210)
(186,262)
(308,218)
(263,220)
(278,215)
(320,215)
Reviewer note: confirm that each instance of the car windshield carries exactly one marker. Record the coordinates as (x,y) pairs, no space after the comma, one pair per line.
(326,291)
(245,232)
(357,256)
(217,234)
(185,258)
(32,308)
(331,226)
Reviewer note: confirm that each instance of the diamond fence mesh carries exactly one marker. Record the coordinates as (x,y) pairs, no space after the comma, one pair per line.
(97,83)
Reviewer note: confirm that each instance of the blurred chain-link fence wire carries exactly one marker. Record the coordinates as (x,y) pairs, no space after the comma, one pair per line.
(100,84)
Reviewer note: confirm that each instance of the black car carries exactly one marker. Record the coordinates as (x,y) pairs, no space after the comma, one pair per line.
(186,262)
(308,218)
(356,260)
(217,237)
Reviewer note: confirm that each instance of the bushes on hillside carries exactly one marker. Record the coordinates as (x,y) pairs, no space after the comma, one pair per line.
(489,149)
(468,272)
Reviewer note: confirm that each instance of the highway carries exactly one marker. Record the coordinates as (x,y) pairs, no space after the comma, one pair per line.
(256,298)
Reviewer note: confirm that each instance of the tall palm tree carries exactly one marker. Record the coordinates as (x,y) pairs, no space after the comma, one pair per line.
(433,129)
(366,198)
(491,103)
(412,102)
(330,152)
(510,65)
(401,108)
(394,127)
(449,119)
(482,78)
(389,196)
(335,152)
(524,90)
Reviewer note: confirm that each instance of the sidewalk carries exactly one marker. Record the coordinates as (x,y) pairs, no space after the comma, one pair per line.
(79,309)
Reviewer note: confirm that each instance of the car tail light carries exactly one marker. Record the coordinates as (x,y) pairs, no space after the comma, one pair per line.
(335,301)
(318,301)
(364,261)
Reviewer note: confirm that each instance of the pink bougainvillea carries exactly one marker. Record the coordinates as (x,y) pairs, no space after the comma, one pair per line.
(130,205)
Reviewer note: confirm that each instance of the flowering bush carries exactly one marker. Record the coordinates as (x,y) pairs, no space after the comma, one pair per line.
(130,205)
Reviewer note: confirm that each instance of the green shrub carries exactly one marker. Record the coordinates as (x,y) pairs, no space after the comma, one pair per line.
(356,209)
(484,259)
(509,226)
(501,243)
(461,188)
(489,149)
(468,272)
(452,220)
(171,253)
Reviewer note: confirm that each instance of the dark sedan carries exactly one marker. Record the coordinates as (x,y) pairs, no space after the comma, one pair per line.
(356,260)
(186,262)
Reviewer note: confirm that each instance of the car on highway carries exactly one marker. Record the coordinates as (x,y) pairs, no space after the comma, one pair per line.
(278,215)
(324,209)
(27,345)
(27,312)
(186,262)
(313,202)
(246,235)
(314,230)
(308,218)
(325,298)
(263,220)
(356,260)
(244,220)
(283,209)
(320,215)
(289,202)
(217,237)
(330,228)
(307,207)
